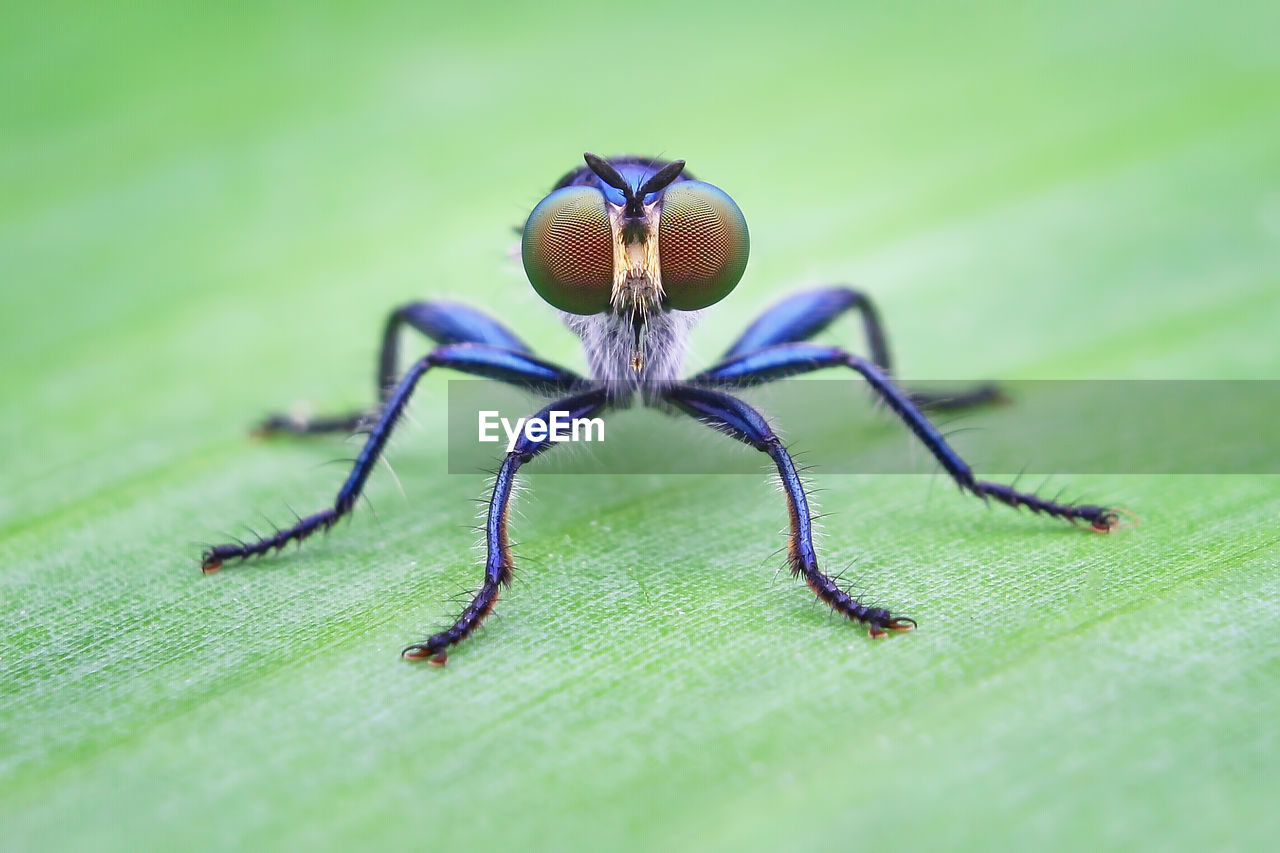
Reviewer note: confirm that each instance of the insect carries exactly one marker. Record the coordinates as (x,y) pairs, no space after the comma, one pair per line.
(630,251)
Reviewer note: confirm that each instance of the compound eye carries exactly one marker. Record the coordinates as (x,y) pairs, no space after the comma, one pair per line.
(567,250)
(702,245)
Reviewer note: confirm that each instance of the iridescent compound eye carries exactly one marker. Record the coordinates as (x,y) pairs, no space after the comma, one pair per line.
(702,245)
(568,250)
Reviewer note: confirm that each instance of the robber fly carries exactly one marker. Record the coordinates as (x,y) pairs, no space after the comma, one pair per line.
(630,251)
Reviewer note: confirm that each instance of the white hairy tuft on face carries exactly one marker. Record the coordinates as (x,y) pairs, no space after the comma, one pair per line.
(609,341)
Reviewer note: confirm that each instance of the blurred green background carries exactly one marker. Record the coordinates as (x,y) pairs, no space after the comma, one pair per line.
(206,211)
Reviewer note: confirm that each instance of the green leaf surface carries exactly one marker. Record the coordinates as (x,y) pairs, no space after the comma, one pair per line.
(206,214)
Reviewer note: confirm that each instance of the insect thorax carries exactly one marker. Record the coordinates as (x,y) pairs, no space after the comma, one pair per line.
(609,342)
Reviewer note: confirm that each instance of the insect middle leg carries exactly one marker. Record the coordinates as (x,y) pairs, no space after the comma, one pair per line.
(442,322)
(802,315)
(498,562)
(476,359)
(739,420)
(783,360)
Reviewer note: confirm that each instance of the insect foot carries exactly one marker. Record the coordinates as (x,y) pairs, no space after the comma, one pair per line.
(422,652)
(880,628)
(1111,519)
(1105,521)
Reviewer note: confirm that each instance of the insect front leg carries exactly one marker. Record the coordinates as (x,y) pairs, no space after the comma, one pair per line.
(801,316)
(783,360)
(442,322)
(476,359)
(498,562)
(735,418)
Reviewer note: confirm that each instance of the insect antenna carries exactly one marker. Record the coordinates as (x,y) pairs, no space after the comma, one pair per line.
(662,179)
(607,173)
(635,197)
(651,163)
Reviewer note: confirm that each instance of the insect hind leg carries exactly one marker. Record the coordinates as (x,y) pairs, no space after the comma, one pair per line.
(442,322)
(801,316)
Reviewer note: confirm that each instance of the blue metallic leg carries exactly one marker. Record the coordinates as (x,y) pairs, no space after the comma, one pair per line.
(498,562)
(443,322)
(744,423)
(802,315)
(778,362)
(475,359)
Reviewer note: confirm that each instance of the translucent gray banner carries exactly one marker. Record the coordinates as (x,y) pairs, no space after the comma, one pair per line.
(837,427)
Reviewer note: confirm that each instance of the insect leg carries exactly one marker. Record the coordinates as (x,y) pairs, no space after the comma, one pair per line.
(734,417)
(498,563)
(475,359)
(802,315)
(442,322)
(784,360)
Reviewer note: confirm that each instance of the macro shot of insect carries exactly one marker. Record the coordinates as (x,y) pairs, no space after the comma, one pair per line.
(630,251)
